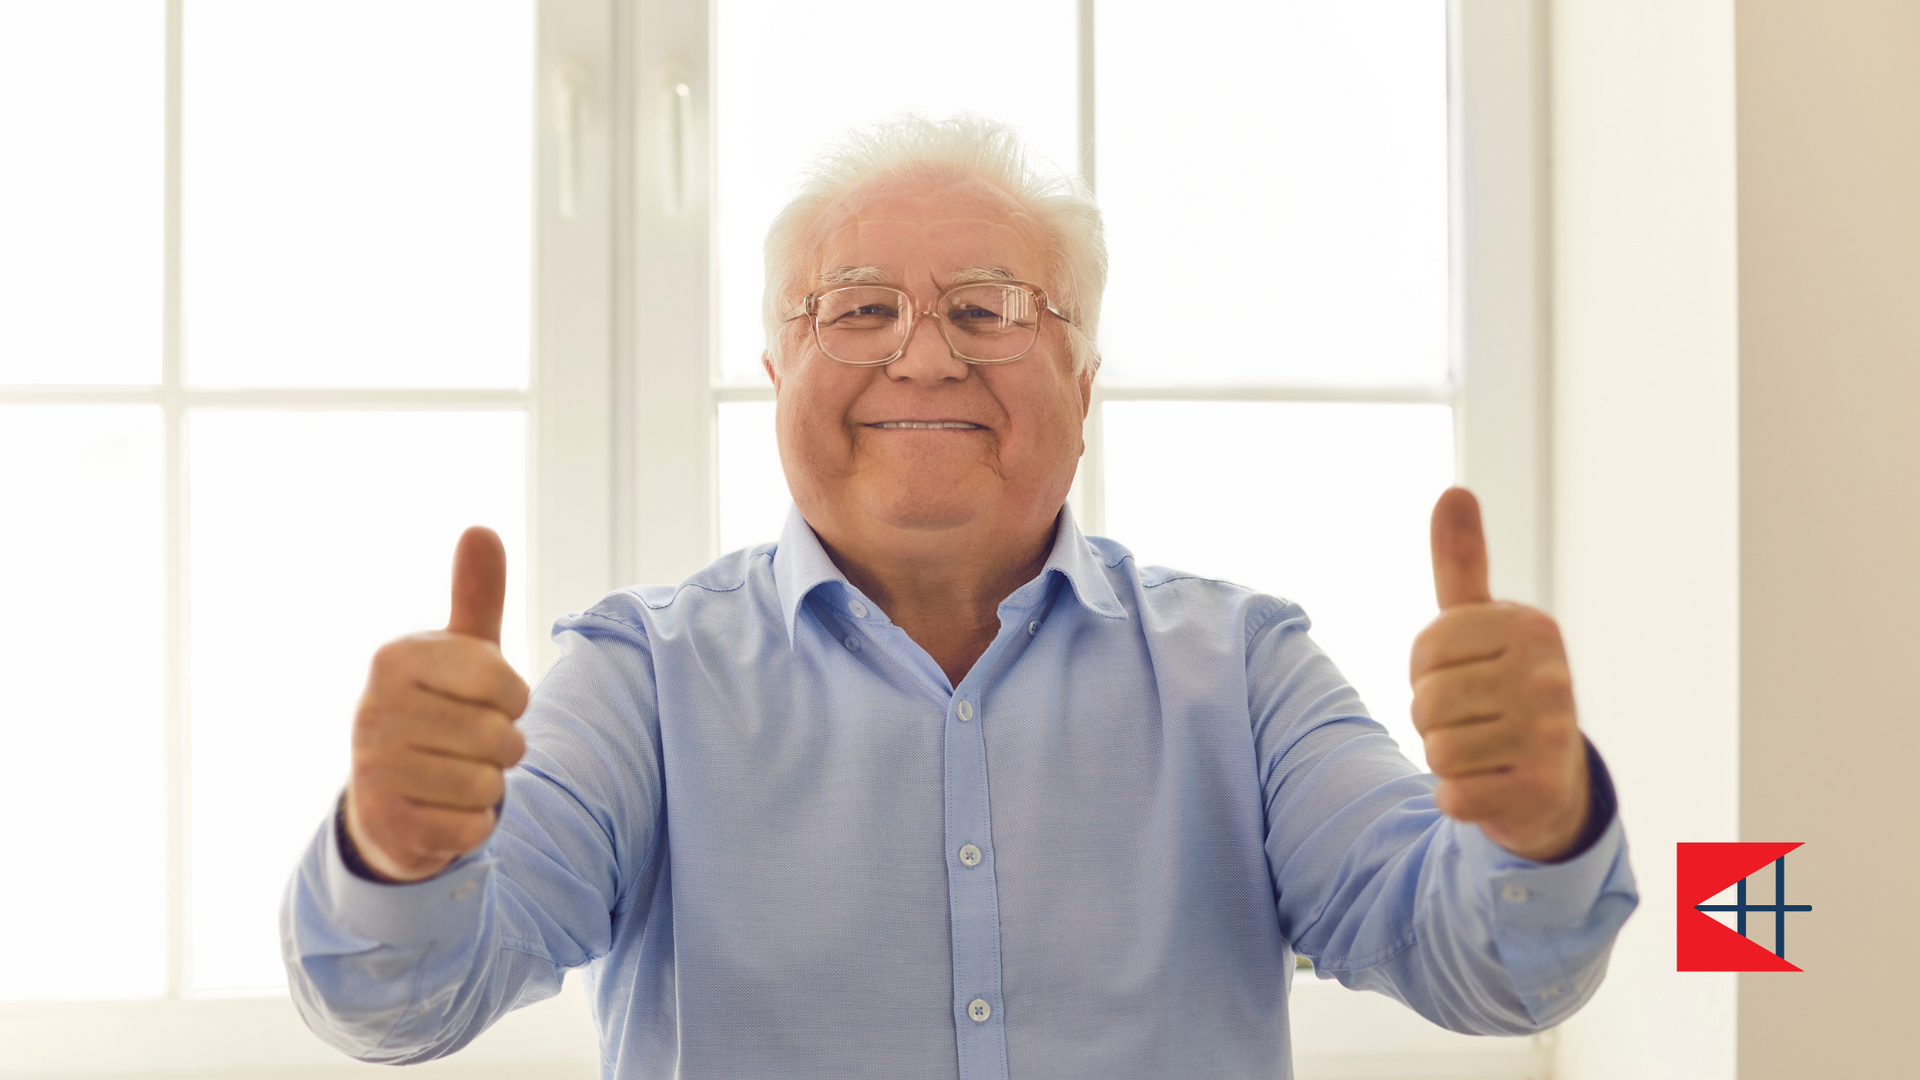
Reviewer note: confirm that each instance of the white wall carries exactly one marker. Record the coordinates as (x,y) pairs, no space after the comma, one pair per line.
(1646,479)
(1829,103)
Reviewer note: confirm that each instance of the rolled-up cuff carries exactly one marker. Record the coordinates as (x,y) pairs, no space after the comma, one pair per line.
(1555,922)
(442,908)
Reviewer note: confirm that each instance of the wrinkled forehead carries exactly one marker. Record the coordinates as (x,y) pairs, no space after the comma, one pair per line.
(922,232)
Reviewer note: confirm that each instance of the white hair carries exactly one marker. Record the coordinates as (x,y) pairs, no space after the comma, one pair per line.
(912,146)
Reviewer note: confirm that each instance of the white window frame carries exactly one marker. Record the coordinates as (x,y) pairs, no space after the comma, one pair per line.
(570,557)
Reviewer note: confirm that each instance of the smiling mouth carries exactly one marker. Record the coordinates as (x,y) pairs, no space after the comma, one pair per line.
(926,425)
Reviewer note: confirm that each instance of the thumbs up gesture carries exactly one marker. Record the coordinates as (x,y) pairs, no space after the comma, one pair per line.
(435,731)
(1493,701)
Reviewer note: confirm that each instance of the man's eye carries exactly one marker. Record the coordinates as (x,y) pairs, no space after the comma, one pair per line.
(865,316)
(975,319)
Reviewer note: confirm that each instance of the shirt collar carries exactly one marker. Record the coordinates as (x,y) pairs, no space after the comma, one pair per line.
(801,565)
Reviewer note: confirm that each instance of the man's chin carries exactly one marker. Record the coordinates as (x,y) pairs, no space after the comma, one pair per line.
(931,505)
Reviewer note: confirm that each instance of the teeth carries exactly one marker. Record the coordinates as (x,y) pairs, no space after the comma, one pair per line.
(927,424)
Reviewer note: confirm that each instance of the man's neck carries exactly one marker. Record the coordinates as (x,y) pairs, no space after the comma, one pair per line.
(945,593)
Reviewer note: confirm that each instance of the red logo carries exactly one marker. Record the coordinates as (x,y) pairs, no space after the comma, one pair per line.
(1707,944)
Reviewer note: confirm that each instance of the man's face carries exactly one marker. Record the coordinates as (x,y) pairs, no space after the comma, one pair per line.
(880,487)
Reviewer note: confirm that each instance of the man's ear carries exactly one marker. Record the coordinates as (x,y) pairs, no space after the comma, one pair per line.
(773,373)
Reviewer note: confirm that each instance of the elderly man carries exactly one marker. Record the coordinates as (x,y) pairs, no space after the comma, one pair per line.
(938,786)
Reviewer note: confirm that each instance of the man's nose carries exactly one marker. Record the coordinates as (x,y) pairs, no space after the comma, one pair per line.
(927,356)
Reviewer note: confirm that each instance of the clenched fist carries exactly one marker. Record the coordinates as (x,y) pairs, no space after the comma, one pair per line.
(1493,701)
(435,729)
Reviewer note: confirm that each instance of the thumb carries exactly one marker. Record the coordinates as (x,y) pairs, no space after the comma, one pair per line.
(1459,550)
(479,584)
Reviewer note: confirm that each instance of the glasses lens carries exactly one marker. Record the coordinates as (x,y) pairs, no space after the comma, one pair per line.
(862,324)
(991,322)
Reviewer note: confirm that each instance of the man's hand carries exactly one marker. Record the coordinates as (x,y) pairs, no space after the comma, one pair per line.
(1493,701)
(435,729)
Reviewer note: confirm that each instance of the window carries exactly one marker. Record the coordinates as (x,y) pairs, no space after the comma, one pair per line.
(269,338)
(324,283)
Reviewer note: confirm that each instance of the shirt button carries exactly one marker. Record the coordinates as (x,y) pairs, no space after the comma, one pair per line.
(465,889)
(1033,628)
(965,709)
(1514,894)
(1551,991)
(859,609)
(970,855)
(853,644)
(979,1010)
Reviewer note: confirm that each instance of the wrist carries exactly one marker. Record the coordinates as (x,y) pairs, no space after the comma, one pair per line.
(363,858)
(1577,829)
(1564,834)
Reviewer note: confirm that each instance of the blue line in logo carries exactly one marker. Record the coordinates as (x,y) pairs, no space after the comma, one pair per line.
(1779,907)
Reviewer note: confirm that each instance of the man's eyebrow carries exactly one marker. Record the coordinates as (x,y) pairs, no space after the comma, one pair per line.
(982,273)
(853,275)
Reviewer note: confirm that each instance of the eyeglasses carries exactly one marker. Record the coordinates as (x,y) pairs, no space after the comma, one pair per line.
(985,322)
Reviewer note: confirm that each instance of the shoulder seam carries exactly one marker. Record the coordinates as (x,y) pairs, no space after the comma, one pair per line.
(1198,577)
(615,620)
(685,585)
(1274,607)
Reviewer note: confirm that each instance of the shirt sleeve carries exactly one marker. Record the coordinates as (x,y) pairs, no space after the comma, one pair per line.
(1383,892)
(404,973)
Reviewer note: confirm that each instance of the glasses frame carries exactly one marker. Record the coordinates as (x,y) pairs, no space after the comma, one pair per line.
(809,307)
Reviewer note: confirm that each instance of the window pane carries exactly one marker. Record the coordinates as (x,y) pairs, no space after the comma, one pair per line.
(1324,504)
(1291,174)
(81,657)
(316,536)
(82,115)
(357,192)
(753,489)
(851,62)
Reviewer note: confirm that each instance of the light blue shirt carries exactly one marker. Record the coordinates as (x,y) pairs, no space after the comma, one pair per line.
(782,844)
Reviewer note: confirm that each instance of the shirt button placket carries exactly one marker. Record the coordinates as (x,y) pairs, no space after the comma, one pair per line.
(973,896)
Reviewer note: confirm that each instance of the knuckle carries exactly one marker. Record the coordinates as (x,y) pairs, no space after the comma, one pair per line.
(472,831)
(1550,678)
(372,773)
(1422,710)
(482,785)
(381,725)
(514,691)
(1424,648)
(1538,624)
(1553,683)
(1452,800)
(394,657)
(1556,739)
(373,715)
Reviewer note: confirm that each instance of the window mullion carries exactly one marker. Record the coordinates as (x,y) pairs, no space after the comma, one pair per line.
(1088,495)
(570,457)
(174,519)
(673,417)
(1497,126)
